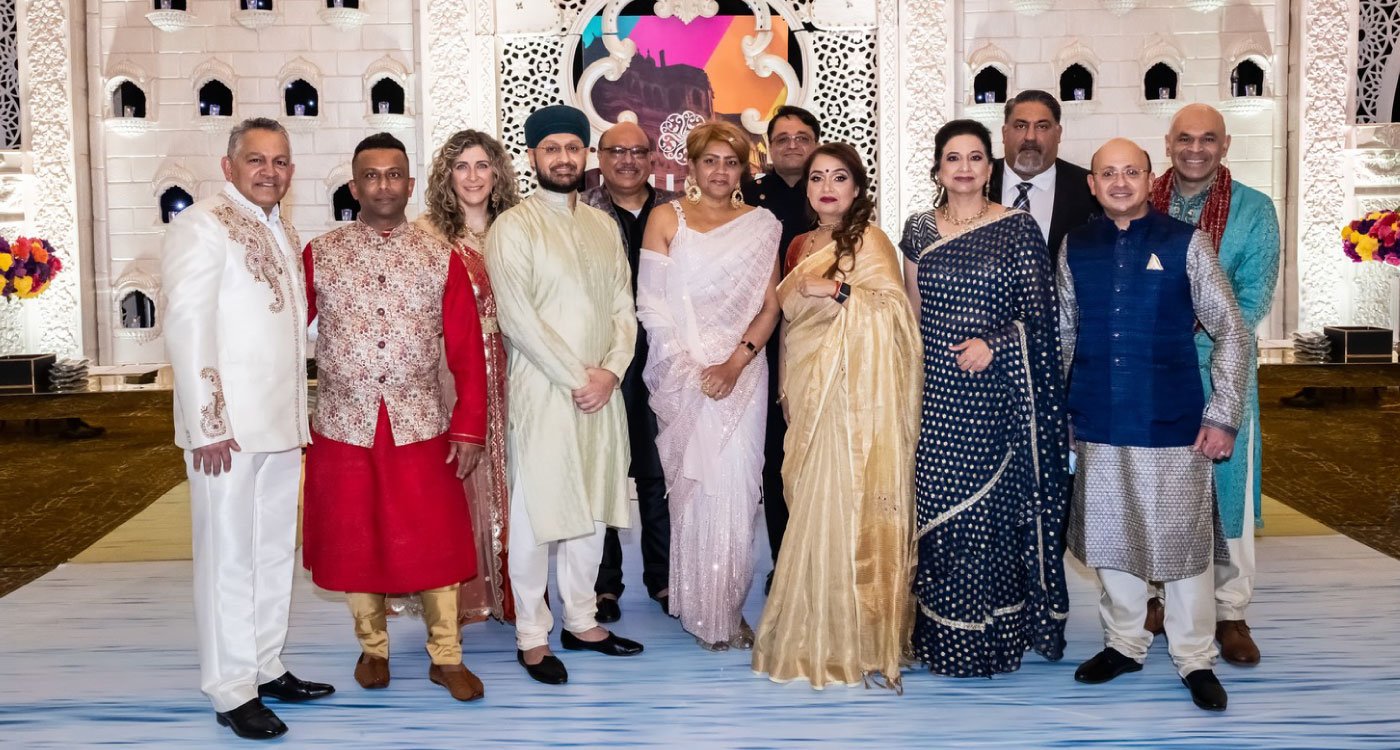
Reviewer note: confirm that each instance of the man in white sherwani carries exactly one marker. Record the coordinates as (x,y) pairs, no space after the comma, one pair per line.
(564,302)
(235,333)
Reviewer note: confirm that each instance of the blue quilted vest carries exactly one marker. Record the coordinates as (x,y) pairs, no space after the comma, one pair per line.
(1134,380)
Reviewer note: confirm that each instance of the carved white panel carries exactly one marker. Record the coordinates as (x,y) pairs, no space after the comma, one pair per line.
(925,98)
(1324,88)
(1380,22)
(888,91)
(529,80)
(174,174)
(685,10)
(844,94)
(453,65)
(54,158)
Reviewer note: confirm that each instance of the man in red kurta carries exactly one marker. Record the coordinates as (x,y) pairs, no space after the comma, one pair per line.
(385,508)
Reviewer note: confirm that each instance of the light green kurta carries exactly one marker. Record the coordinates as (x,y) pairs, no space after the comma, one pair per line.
(564,302)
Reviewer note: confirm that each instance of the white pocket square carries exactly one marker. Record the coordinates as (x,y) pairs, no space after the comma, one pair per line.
(1153,264)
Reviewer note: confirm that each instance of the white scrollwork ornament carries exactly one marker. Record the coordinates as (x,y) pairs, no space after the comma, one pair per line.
(685,10)
(674,130)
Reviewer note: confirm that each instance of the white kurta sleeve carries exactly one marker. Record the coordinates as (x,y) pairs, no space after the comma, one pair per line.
(192,264)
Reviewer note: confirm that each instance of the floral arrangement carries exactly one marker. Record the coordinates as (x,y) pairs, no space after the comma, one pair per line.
(1373,237)
(27,267)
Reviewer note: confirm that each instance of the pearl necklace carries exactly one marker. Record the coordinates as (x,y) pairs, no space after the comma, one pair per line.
(948,215)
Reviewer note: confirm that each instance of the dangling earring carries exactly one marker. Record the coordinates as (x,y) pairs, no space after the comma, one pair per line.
(692,191)
(938,192)
(987,190)
(736,198)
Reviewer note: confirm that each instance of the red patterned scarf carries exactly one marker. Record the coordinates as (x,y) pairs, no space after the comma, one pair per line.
(1213,215)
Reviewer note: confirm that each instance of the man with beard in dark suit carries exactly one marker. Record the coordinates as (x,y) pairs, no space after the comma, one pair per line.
(1054,191)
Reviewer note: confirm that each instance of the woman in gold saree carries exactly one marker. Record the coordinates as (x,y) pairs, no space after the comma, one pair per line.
(840,608)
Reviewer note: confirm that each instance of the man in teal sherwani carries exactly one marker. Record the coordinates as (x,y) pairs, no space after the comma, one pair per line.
(1243,227)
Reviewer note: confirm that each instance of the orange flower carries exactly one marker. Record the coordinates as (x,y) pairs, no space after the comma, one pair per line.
(40,254)
(20,249)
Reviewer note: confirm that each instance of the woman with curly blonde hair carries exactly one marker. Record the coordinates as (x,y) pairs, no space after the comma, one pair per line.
(471,182)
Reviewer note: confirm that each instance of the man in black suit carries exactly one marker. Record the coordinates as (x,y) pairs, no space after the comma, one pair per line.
(1054,191)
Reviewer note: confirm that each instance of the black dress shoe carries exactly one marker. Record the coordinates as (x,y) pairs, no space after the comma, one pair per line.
(550,670)
(252,721)
(1104,666)
(289,689)
(665,602)
(608,611)
(613,645)
(1206,691)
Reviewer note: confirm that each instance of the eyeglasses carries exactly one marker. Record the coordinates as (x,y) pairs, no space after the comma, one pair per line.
(801,139)
(1131,173)
(551,149)
(617,152)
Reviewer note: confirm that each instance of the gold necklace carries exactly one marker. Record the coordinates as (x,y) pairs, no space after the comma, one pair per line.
(948,215)
(476,239)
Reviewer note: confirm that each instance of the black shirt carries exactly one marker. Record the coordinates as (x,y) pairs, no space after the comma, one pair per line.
(787,202)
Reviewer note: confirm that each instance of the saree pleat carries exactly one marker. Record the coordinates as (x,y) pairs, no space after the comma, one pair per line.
(840,609)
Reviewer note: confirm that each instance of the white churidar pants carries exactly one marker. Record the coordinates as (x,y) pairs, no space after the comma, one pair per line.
(244,542)
(1189,622)
(1234,581)
(577,572)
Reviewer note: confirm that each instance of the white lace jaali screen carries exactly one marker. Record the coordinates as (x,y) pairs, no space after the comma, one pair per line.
(9,77)
(840,78)
(1380,40)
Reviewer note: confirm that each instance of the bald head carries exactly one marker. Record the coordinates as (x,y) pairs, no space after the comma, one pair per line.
(624,158)
(1121,178)
(1197,145)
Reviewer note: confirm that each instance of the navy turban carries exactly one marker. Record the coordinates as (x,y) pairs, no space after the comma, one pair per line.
(557,118)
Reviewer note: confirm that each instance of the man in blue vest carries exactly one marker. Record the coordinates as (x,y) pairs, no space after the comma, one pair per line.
(1134,284)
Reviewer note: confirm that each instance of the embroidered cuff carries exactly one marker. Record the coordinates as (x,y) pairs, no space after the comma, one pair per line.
(458,437)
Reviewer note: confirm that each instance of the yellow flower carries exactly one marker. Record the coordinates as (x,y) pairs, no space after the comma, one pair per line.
(6,260)
(1366,247)
(23,284)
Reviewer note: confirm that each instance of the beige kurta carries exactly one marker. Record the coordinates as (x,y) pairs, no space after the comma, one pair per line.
(564,302)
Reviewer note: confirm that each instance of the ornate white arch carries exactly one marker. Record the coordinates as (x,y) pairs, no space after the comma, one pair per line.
(121,72)
(136,279)
(1160,49)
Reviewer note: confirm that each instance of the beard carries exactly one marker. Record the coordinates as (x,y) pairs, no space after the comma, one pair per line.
(1029,161)
(555,185)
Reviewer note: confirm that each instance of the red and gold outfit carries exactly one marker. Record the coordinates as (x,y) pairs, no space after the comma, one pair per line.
(383,511)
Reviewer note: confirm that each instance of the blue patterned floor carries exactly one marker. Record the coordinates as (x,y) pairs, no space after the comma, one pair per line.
(102,655)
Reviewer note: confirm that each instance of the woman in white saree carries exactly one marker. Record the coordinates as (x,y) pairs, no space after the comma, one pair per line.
(706,294)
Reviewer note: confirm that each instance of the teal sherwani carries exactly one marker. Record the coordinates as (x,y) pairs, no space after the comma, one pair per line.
(1249,256)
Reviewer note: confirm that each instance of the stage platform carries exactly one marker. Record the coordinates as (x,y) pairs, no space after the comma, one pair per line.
(100,655)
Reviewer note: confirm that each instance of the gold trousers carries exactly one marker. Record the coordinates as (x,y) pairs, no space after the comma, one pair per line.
(439,614)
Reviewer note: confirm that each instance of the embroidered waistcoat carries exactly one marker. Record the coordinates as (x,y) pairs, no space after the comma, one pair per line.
(1134,378)
(379,306)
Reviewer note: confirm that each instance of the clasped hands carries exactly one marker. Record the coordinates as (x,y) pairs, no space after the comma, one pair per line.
(594,395)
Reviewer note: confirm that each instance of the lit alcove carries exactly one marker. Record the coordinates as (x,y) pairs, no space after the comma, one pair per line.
(386,97)
(169,5)
(1247,79)
(138,310)
(301,99)
(215,99)
(254,14)
(255,4)
(344,207)
(1076,84)
(343,4)
(173,200)
(989,86)
(128,100)
(1159,83)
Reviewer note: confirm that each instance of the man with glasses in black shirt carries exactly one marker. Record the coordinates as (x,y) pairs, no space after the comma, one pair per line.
(625,161)
(793,133)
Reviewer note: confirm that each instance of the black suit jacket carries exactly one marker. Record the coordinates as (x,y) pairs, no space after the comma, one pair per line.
(1074,204)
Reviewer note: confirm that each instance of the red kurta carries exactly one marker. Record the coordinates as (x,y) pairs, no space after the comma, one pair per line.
(395,518)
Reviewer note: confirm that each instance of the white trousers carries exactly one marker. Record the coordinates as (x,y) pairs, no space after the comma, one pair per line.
(1189,622)
(244,542)
(577,572)
(1234,581)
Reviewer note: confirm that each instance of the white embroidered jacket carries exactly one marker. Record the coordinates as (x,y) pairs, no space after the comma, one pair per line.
(235,325)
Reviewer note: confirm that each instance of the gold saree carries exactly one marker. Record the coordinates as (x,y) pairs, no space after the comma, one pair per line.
(840,609)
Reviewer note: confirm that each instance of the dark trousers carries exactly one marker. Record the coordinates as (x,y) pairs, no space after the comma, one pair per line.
(655,542)
(775,510)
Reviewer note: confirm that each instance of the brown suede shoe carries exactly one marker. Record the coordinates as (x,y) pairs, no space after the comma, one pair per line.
(1156,615)
(1236,645)
(459,681)
(372,672)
